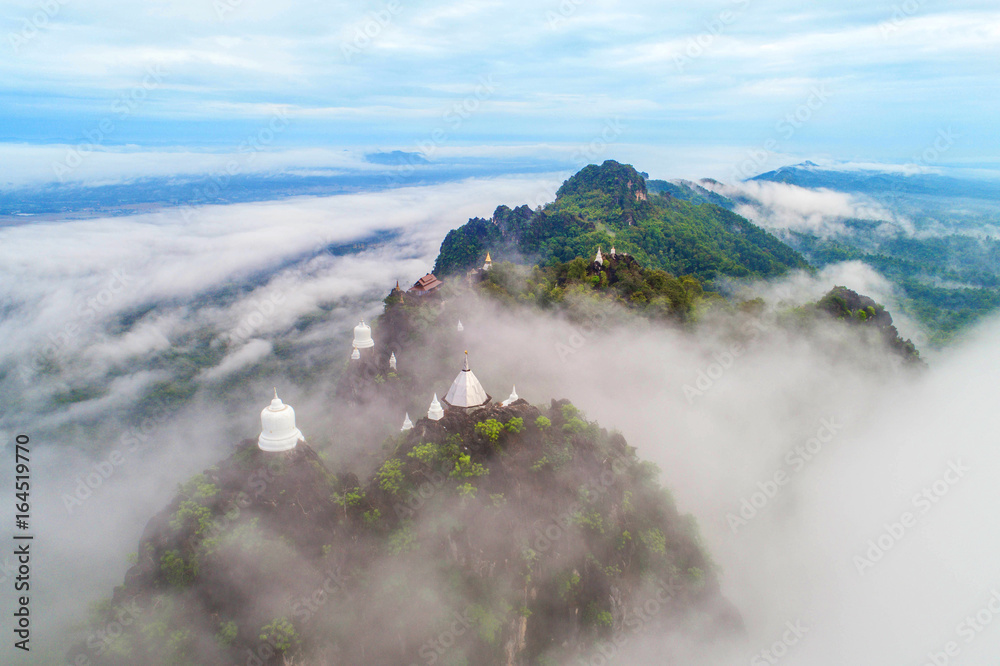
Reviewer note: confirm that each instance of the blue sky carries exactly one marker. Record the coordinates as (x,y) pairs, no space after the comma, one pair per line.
(689,87)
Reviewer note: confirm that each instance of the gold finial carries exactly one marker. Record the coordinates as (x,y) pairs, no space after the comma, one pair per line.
(488,260)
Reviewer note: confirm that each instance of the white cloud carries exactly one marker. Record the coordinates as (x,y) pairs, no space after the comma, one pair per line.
(818,211)
(267,54)
(910,39)
(248,355)
(68,282)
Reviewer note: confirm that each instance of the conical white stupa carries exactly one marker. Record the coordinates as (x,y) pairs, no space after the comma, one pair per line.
(460,328)
(355,355)
(407,423)
(466,391)
(436,412)
(613,253)
(277,427)
(600,257)
(514,397)
(363,336)
(392,361)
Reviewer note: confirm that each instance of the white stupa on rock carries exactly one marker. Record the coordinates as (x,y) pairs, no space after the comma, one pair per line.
(436,411)
(392,361)
(514,397)
(363,336)
(600,257)
(407,423)
(277,427)
(460,328)
(466,391)
(613,253)
(355,355)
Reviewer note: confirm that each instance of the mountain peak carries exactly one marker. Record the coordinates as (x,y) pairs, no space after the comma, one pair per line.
(620,181)
(609,204)
(457,507)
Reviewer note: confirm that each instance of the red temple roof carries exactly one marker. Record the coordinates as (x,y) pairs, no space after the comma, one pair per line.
(426,284)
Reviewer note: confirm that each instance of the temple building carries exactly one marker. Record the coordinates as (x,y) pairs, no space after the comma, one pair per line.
(436,411)
(356,384)
(363,336)
(466,392)
(277,427)
(475,275)
(426,285)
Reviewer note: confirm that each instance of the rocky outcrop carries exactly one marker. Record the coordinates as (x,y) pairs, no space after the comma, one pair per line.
(861,311)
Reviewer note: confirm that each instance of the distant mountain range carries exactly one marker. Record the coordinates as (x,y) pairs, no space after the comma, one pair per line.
(940,247)
(879,184)
(391,170)
(396,158)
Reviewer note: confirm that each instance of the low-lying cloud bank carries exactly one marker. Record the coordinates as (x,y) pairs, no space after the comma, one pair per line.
(815,211)
(838,497)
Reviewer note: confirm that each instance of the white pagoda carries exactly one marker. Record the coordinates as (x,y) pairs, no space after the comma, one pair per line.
(363,336)
(436,411)
(277,427)
(466,391)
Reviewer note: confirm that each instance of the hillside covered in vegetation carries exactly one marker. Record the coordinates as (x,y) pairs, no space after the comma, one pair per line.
(948,282)
(575,288)
(619,278)
(862,312)
(609,205)
(508,535)
(944,258)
